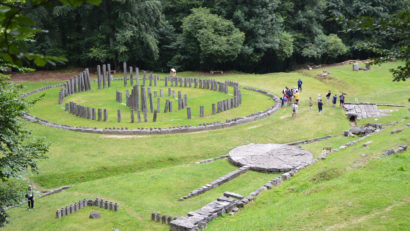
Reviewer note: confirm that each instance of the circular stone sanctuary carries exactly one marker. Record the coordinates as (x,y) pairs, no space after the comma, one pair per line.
(270,157)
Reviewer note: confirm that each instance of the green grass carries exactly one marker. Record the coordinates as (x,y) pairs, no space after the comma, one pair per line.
(149,173)
(49,108)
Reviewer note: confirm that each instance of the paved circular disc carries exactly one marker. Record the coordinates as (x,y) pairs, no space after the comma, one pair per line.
(270,157)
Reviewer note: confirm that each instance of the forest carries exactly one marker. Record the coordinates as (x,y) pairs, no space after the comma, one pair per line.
(256,36)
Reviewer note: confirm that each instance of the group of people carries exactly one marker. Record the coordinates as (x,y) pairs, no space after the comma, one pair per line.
(328,96)
(291,97)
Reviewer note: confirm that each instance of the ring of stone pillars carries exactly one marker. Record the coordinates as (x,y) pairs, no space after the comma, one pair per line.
(157,130)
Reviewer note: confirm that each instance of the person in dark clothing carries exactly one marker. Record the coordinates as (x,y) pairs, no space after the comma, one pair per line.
(30,197)
(329,93)
(300,85)
(342,99)
(334,100)
(320,106)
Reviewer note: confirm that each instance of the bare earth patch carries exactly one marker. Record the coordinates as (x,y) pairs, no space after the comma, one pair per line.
(123,136)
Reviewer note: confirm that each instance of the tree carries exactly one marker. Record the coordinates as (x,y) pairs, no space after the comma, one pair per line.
(209,39)
(19,150)
(263,25)
(325,46)
(394,29)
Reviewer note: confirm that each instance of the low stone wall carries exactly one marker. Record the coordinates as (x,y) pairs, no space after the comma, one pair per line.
(212,159)
(198,220)
(72,208)
(170,130)
(228,177)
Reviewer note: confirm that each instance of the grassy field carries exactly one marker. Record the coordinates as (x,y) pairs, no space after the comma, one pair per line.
(149,173)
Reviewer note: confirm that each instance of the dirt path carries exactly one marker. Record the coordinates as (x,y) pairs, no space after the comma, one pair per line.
(366,217)
(47,75)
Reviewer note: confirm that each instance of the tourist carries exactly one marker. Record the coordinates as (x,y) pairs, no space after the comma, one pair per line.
(294,110)
(173,72)
(290,96)
(334,100)
(30,197)
(310,103)
(342,99)
(329,93)
(297,96)
(285,100)
(281,101)
(300,85)
(320,105)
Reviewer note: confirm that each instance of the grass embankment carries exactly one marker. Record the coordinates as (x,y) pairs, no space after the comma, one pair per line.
(354,189)
(149,173)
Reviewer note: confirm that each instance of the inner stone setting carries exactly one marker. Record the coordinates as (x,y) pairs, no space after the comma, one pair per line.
(270,157)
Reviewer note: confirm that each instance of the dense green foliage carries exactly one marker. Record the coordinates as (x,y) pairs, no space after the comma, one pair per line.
(18,149)
(273,35)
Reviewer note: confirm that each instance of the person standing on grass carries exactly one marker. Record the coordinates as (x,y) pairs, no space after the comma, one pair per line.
(342,99)
(294,110)
(329,93)
(297,96)
(310,103)
(285,100)
(30,197)
(300,85)
(334,100)
(320,106)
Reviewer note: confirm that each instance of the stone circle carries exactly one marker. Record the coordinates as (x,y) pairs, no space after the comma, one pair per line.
(270,157)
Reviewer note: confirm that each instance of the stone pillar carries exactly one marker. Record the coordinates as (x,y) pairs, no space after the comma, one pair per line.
(109,75)
(88,113)
(138,115)
(166,81)
(99,114)
(99,76)
(145,116)
(124,67)
(151,106)
(105,115)
(132,116)
(104,75)
(131,77)
(155,94)
(144,78)
(137,76)
(155,81)
(188,111)
(169,92)
(154,119)
(158,105)
(93,114)
(161,92)
(166,107)
(67,107)
(185,100)
(213,109)
(170,106)
(201,111)
(119,116)
(150,79)
(143,99)
(58,214)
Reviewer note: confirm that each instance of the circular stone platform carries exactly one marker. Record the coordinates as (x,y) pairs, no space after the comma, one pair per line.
(270,157)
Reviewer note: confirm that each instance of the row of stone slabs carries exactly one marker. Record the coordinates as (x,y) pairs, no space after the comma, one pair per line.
(259,157)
